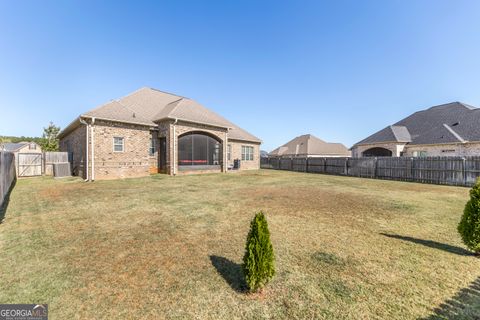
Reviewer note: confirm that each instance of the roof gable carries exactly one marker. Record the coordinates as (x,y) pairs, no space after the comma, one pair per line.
(14,146)
(147,106)
(446,123)
(310,145)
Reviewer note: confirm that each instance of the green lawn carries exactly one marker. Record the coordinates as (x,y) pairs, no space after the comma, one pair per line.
(171,247)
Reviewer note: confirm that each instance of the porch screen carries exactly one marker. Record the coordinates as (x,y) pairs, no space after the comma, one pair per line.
(197,149)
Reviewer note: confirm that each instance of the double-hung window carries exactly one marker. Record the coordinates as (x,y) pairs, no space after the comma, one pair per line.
(118,144)
(152,147)
(229,152)
(247,153)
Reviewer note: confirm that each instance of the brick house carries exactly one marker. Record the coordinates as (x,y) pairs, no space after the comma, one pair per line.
(150,131)
(308,145)
(450,129)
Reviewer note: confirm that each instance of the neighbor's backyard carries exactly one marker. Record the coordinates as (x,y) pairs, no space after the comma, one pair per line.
(171,247)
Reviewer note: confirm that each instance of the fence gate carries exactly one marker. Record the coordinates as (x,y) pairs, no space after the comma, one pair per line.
(29,164)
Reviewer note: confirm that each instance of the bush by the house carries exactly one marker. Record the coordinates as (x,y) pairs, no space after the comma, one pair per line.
(259,259)
(469,226)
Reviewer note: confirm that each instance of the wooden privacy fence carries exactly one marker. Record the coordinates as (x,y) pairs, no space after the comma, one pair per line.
(29,164)
(7,174)
(36,164)
(458,171)
(51,158)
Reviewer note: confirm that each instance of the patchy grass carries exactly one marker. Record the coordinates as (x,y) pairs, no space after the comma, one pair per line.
(164,247)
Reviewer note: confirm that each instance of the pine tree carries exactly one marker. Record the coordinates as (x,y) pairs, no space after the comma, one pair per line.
(469,226)
(259,259)
(49,138)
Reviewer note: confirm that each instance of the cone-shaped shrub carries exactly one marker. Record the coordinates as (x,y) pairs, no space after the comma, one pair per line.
(259,259)
(469,226)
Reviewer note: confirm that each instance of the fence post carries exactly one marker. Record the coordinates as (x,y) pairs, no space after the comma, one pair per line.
(464,171)
(412,161)
(346,166)
(306,164)
(375,168)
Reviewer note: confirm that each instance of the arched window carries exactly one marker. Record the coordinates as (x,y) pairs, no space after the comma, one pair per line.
(377,152)
(199,149)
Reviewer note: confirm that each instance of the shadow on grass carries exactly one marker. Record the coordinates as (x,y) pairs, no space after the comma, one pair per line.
(464,305)
(432,244)
(6,200)
(230,271)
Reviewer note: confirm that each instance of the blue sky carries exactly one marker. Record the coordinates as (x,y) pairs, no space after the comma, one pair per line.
(340,70)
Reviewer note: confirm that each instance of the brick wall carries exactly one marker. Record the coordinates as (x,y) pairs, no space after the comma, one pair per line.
(75,143)
(439,150)
(395,148)
(134,161)
(237,154)
(445,150)
(184,127)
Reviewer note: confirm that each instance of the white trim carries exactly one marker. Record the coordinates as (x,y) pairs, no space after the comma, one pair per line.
(192,121)
(121,121)
(123,144)
(456,135)
(175,162)
(92,133)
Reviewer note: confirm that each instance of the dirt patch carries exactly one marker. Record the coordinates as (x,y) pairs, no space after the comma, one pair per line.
(297,201)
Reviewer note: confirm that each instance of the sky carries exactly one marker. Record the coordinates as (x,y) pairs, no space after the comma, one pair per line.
(339,70)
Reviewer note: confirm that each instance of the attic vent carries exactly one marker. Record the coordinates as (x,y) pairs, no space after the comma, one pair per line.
(133,115)
(455,124)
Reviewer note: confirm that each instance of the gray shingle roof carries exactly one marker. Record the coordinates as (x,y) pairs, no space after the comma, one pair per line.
(10,146)
(308,144)
(147,105)
(446,123)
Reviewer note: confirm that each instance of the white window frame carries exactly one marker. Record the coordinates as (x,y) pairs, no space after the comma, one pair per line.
(229,152)
(117,144)
(420,153)
(247,153)
(151,150)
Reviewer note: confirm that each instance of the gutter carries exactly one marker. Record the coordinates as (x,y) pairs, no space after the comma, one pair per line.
(192,121)
(86,147)
(174,148)
(92,133)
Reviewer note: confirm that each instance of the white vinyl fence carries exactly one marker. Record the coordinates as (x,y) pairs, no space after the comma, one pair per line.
(7,174)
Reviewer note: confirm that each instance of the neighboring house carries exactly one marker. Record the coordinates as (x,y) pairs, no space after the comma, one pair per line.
(308,145)
(21,147)
(24,168)
(451,129)
(150,131)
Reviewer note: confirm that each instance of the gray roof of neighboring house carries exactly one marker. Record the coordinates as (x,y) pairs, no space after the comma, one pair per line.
(147,105)
(10,146)
(446,123)
(308,144)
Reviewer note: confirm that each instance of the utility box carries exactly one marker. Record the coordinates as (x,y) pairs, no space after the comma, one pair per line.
(236,164)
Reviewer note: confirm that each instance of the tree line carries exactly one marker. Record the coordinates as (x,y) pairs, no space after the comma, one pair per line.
(48,141)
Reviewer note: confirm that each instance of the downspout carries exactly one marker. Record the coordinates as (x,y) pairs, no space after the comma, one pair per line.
(93,147)
(174,148)
(86,147)
(225,152)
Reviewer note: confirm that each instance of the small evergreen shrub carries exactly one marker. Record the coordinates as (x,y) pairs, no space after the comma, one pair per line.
(469,226)
(259,259)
